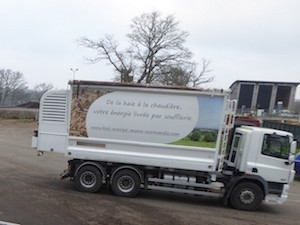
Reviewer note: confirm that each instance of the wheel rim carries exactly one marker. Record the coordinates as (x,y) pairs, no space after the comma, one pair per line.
(247,197)
(126,184)
(88,179)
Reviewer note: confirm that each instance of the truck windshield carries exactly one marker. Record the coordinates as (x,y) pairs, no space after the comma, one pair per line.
(276,146)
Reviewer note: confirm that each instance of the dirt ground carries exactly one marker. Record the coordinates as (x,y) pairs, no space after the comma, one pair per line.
(31,193)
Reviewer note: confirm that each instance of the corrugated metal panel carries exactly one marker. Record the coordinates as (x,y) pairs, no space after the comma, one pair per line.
(54,108)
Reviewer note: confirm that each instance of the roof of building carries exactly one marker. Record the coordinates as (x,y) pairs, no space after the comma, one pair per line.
(265,82)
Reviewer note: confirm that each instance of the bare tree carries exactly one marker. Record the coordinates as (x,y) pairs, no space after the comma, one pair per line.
(10,84)
(179,75)
(186,74)
(202,77)
(18,97)
(156,43)
(107,49)
(38,91)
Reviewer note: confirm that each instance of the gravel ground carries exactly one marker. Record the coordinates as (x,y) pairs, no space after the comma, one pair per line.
(31,193)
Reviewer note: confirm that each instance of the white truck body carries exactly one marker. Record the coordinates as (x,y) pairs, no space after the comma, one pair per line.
(108,129)
(54,126)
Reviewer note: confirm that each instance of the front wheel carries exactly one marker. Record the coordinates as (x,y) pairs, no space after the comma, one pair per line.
(246,196)
(126,183)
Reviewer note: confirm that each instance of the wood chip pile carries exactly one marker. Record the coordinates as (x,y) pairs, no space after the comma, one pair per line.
(81,101)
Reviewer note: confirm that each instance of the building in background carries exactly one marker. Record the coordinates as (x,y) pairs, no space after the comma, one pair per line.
(263,96)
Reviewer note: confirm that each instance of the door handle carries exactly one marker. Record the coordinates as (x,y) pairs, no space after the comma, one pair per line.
(254,170)
(288,163)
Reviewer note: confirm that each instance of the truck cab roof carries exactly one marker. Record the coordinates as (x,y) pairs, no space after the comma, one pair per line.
(264,130)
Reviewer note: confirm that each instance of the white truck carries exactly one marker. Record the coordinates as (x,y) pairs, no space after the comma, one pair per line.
(131,136)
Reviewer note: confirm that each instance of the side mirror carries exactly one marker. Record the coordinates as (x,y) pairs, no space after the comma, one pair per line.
(293,147)
(291,160)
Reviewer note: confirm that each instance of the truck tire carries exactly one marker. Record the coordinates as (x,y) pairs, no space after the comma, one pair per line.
(126,183)
(88,179)
(246,196)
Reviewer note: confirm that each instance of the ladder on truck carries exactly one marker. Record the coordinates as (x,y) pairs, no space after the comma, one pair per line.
(228,124)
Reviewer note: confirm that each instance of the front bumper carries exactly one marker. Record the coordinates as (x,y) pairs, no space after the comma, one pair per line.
(277,200)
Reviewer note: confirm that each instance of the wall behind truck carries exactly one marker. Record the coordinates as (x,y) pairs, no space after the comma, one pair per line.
(143,115)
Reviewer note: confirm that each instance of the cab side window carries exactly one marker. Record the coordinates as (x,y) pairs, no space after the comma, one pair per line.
(276,146)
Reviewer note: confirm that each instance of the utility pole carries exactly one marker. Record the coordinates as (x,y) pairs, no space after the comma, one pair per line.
(74,71)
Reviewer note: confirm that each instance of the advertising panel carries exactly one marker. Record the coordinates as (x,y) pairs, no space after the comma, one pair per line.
(146,117)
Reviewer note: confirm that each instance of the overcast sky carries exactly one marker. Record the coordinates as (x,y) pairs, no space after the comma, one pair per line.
(244,39)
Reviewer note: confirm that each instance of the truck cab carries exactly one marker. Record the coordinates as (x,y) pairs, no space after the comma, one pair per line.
(266,155)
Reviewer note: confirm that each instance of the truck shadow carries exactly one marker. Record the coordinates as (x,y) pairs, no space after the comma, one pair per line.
(203,201)
(156,197)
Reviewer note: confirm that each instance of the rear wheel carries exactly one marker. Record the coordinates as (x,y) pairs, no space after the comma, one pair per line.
(126,183)
(246,196)
(88,179)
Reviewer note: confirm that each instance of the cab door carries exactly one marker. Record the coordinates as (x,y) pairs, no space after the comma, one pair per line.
(234,153)
(273,161)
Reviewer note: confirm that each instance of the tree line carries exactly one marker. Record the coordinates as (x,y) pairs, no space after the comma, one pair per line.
(14,90)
